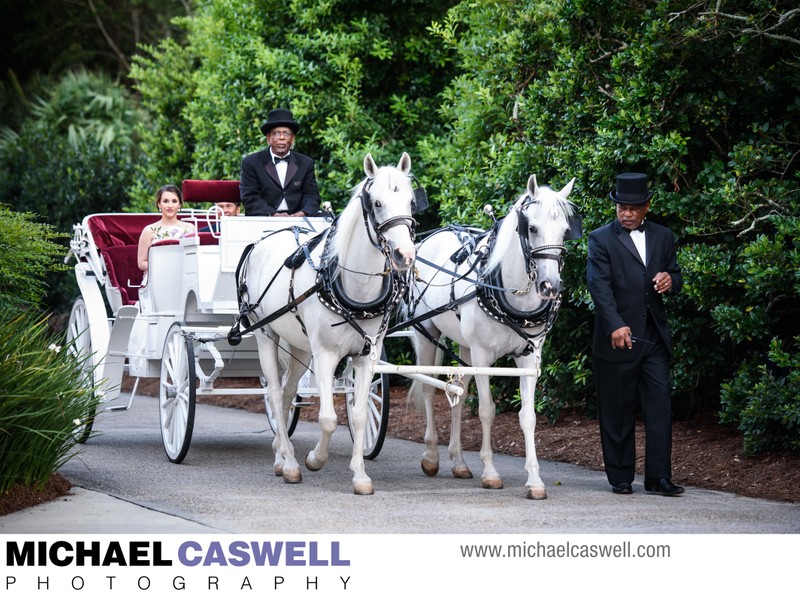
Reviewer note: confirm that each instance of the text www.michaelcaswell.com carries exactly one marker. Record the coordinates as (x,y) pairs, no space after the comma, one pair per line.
(624,549)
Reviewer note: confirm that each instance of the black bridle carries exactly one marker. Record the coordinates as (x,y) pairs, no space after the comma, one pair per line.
(379,227)
(531,254)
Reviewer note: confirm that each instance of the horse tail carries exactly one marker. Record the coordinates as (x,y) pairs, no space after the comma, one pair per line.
(416,392)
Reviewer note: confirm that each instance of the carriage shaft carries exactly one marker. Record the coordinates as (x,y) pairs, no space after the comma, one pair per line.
(386,368)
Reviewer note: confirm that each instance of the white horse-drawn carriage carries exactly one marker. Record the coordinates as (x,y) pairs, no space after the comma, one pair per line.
(173,322)
(276,299)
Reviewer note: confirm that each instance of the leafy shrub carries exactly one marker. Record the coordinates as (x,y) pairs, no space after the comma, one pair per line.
(763,399)
(590,89)
(27,254)
(42,394)
(42,401)
(483,94)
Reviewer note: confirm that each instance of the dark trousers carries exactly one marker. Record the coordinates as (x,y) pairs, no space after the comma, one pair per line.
(618,384)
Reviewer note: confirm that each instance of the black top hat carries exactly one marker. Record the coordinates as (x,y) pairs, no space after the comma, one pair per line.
(631,189)
(280,117)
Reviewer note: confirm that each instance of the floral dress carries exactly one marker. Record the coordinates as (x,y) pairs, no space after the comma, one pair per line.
(169,232)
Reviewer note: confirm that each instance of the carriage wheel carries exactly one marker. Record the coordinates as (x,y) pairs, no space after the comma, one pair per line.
(177,393)
(79,343)
(291,418)
(377,412)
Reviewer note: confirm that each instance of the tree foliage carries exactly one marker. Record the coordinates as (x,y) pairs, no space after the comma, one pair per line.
(358,76)
(73,155)
(590,89)
(53,36)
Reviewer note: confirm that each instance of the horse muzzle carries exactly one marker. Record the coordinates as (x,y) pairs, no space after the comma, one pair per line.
(402,259)
(549,289)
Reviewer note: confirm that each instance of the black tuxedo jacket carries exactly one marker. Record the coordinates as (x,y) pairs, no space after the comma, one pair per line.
(260,187)
(622,285)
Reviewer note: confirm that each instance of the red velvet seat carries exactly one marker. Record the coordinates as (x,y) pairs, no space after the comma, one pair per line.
(122,267)
(116,235)
(210,191)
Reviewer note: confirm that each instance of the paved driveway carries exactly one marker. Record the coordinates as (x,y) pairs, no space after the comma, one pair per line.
(226,484)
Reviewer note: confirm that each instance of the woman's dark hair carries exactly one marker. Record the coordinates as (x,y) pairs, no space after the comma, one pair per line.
(169,188)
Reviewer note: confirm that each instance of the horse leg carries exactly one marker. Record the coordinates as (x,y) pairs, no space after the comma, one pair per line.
(527,421)
(459,469)
(490,479)
(285,462)
(426,356)
(324,368)
(296,367)
(362,484)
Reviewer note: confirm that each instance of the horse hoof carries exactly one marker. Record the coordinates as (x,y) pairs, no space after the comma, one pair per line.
(313,464)
(493,484)
(536,494)
(292,476)
(278,469)
(462,472)
(363,488)
(428,468)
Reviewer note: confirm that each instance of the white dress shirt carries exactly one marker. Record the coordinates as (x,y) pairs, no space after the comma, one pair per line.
(281,167)
(637,235)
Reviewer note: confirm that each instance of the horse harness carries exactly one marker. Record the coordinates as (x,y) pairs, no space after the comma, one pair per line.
(328,283)
(489,289)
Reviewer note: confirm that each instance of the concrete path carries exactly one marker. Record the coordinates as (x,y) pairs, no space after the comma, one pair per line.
(226,485)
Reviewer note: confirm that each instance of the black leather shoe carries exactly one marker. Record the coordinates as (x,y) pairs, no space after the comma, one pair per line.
(662,486)
(622,488)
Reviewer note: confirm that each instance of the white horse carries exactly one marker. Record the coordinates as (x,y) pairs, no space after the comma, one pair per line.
(501,300)
(333,302)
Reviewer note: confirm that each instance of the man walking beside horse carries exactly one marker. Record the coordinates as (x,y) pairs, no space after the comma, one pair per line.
(631,266)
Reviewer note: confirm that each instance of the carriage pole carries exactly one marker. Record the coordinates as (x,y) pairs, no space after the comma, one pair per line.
(419,373)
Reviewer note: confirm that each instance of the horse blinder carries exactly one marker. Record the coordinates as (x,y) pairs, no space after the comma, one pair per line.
(575,231)
(420,201)
(366,202)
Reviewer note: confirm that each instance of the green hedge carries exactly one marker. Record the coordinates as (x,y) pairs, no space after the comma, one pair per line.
(44,398)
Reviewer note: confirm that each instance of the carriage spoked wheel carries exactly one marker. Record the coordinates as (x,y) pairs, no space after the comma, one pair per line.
(79,343)
(294,409)
(177,393)
(377,410)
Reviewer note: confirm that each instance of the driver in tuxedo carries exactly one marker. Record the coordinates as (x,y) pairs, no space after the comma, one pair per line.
(278,181)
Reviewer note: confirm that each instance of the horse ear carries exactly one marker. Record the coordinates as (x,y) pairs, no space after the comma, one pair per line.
(533,187)
(369,166)
(567,189)
(404,164)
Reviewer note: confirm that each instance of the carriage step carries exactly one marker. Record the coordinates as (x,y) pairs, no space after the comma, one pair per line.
(118,408)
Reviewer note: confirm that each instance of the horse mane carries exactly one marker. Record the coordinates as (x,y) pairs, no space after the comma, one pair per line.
(507,230)
(348,221)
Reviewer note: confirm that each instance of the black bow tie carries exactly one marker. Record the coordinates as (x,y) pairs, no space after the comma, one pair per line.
(277,159)
(640,228)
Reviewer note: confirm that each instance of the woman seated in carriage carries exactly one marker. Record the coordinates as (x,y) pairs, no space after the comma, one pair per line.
(169,227)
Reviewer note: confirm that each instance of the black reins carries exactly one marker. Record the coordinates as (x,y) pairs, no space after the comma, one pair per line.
(236,332)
